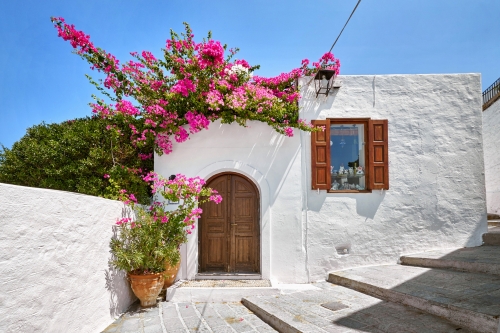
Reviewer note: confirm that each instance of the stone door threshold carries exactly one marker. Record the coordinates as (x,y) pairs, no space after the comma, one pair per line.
(228,276)
(226,284)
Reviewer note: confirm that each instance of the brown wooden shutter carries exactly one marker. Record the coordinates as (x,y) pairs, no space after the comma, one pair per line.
(320,156)
(378,144)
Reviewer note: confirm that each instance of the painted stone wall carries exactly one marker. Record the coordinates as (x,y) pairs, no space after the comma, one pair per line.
(437,194)
(437,188)
(54,252)
(266,158)
(491,139)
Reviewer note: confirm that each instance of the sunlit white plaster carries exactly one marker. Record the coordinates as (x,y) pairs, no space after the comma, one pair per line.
(491,140)
(54,271)
(437,190)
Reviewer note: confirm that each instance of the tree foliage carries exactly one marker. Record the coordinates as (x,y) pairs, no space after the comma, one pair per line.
(81,156)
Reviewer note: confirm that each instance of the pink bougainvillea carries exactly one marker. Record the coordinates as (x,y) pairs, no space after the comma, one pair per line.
(189,192)
(184,87)
(194,84)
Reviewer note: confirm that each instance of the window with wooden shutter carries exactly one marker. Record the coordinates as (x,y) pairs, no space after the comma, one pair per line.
(378,154)
(320,156)
(350,156)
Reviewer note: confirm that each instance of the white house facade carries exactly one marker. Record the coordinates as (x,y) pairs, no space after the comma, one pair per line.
(285,218)
(491,139)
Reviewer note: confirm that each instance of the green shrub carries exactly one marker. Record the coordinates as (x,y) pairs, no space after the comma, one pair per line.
(77,156)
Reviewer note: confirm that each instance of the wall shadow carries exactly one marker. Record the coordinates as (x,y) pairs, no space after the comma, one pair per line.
(119,291)
(121,295)
(367,204)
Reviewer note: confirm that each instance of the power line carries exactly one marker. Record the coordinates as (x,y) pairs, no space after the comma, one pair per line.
(352,13)
(344,26)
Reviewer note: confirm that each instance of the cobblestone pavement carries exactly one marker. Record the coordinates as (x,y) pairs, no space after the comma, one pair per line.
(168,317)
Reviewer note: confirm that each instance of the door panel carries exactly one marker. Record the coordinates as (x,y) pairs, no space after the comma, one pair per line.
(232,227)
(214,231)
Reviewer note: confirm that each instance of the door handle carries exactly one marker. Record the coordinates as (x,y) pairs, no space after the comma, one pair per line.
(234,224)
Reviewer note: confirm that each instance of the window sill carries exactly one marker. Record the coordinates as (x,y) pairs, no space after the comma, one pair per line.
(350,191)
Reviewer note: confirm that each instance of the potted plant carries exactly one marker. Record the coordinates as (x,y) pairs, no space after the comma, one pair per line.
(144,245)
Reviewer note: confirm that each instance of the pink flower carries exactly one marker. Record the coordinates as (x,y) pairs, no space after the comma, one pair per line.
(238,99)
(148,56)
(181,135)
(106,176)
(215,99)
(123,220)
(101,110)
(183,87)
(164,143)
(216,198)
(194,214)
(211,54)
(126,108)
(242,62)
(192,76)
(145,156)
(77,38)
(196,121)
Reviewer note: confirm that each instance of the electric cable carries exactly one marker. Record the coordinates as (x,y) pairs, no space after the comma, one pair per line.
(352,13)
(335,42)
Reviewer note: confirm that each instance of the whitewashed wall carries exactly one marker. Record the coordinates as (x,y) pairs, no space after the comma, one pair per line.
(436,172)
(437,195)
(491,140)
(54,252)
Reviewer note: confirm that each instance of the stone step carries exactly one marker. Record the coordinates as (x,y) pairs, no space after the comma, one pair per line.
(333,308)
(469,300)
(481,259)
(494,223)
(225,294)
(493,216)
(492,237)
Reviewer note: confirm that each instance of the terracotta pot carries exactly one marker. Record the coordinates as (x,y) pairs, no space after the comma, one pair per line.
(146,287)
(170,274)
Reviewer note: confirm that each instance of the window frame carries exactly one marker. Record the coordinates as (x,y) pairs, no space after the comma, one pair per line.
(350,121)
(376,154)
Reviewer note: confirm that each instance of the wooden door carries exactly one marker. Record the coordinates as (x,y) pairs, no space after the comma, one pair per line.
(229,232)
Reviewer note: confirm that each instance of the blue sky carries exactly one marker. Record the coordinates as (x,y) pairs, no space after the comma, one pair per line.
(41,80)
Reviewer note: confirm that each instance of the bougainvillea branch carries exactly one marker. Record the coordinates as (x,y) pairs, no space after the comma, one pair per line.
(192,84)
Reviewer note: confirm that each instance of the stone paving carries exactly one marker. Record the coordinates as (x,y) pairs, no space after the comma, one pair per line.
(476,292)
(169,317)
(346,311)
(470,299)
(291,308)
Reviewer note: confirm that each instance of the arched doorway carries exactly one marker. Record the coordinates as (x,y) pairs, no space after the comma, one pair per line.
(229,233)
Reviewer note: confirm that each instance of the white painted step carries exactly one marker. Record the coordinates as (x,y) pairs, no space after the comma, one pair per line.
(469,300)
(344,310)
(481,259)
(207,295)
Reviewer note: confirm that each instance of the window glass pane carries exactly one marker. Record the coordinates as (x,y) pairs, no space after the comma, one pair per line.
(347,156)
